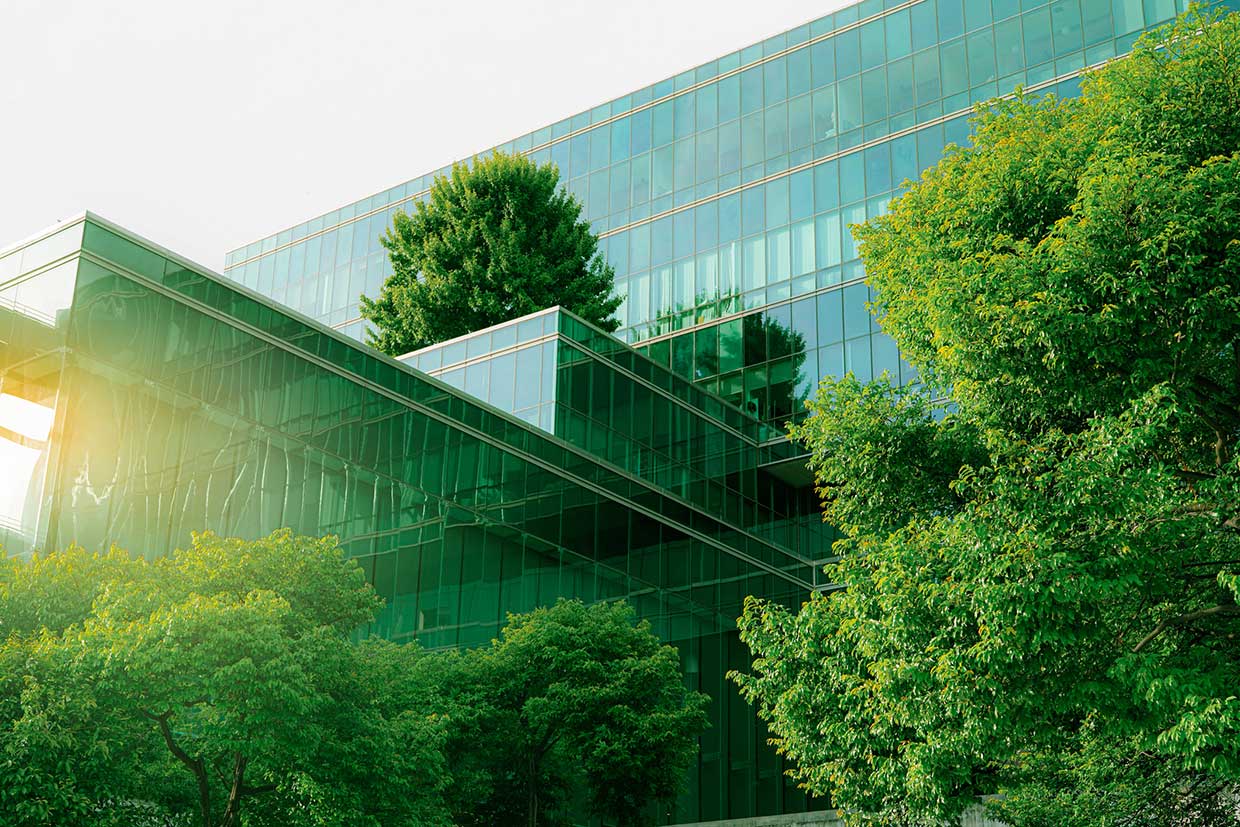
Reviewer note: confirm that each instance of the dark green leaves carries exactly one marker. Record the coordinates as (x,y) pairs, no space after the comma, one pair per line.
(496,240)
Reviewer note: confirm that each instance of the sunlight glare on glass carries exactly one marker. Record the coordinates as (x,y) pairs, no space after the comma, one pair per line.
(21,416)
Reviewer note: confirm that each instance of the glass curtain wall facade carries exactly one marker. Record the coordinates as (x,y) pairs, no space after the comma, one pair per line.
(143,397)
(727,190)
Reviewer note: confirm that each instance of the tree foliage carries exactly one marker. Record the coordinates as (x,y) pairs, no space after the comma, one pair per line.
(1042,582)
(497,239)
(219,681)
(583,708)
(224,685)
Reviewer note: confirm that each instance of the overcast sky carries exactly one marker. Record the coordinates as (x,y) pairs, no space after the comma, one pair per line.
(206,125)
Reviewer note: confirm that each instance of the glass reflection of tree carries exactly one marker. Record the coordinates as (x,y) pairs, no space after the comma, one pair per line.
(771,384)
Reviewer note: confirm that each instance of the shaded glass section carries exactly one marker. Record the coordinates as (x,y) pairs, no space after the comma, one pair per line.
(590,389)
(181,403)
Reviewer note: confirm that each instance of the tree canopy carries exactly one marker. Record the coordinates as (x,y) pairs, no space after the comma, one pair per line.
(219,681)
(584,709)
(497,239)
(1042,573)
(225,684)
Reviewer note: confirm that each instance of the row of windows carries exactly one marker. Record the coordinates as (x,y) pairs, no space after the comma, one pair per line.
(949,46)
(328,290)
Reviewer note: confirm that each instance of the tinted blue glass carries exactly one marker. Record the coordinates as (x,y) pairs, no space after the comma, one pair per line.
(848,54)
(640,131)
(950,19)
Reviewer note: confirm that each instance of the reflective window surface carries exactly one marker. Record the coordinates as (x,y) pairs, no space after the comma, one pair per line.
(730,188)
(142,398)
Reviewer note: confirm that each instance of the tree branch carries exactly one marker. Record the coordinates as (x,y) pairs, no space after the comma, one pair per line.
(1226,608)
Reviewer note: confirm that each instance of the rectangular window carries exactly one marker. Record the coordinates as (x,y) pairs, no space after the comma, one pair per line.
(1066,23)
(729,98)
(662,172)
(684,116)
(926,75)
(639,188)
(827,240)
(852,178)
(873,45)
(826,186)
(849,94)
(976,14)
(707,107)
(775,80)
(779,255)
(640,132)
(751,90)
(874,94)
(776,202)
(924,26)
(824,114)
(753,140)
(776,131)
(579,155)
(847,54)
(620,140)
(682,224)
(951,19)
(800,123)
(707,156)
(954,68)
(878,168)
(620,187)
(851,215)
(600,147)
(708,276)
(981,48)
(1128,16)
(899,43)
(753,218)
(803,247)
(822,63)
(664,130)
(730,218)
(900,85)
(661,241)
(685,151)
(801,194)
(753,273)
(1009,53)
(600,190)
(798,73)
(729,147)
(1037,29)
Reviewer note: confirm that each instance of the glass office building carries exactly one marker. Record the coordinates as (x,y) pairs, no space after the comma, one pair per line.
(143,397)
(726,192)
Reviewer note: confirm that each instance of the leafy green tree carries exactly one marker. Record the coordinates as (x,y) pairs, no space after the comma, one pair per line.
(219,681)
(1042,578)
(497,239)
(573,705)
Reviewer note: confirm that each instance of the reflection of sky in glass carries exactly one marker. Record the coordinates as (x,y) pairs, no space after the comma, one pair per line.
(43,297)
(34,422)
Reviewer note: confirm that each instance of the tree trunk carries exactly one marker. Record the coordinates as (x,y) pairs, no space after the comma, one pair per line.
(195,765)
(232,813)
(532,782)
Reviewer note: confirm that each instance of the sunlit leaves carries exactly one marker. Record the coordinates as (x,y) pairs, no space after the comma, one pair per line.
(1041,586)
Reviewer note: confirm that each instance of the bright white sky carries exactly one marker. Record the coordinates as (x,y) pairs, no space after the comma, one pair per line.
(206,125)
